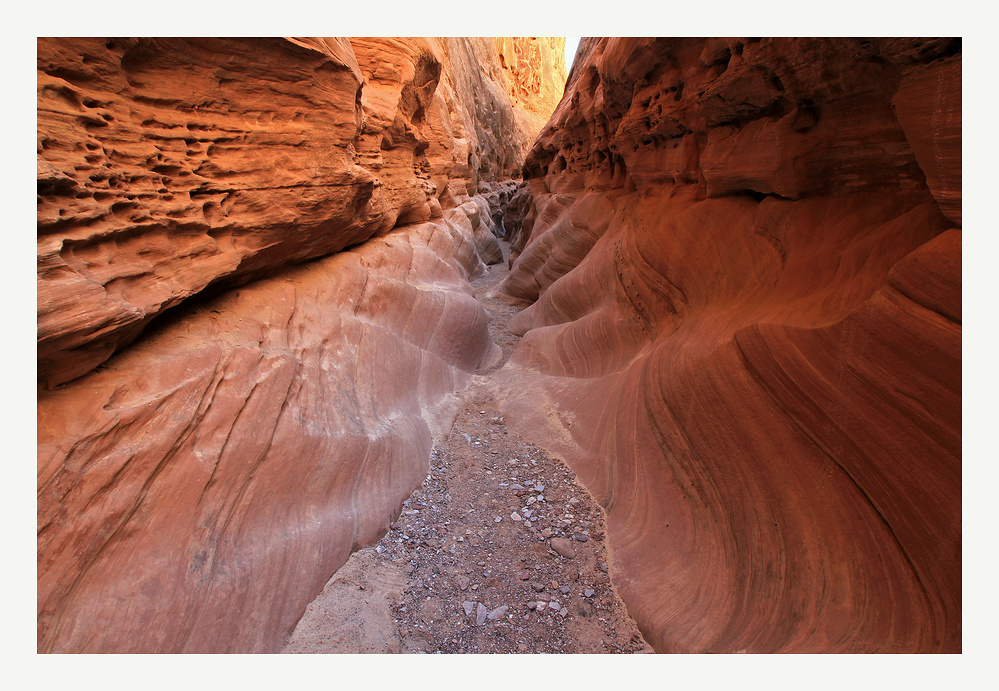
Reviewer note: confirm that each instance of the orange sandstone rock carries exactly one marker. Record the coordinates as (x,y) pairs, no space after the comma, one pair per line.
(928,107)
(197,492)
(167,166)
(744,333)
(324,201)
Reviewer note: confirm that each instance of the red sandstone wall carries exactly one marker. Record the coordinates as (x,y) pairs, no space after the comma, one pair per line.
(741,264)
(201,476)
(166,166)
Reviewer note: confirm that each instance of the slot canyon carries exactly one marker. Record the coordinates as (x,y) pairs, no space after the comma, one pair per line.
(657,351)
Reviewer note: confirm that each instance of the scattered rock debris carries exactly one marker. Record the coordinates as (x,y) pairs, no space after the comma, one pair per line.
(500,551)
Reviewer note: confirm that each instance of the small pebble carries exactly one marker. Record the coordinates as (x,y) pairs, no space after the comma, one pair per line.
(563,547)
(560,533)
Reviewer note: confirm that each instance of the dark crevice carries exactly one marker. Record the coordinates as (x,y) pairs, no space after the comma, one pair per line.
(754,194)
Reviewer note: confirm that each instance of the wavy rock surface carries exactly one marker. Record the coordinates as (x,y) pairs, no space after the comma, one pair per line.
(298,217)
(167,166)
(742,270)
(213,476)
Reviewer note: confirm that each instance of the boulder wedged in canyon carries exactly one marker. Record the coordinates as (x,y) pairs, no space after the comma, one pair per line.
(253,316)
(741,262)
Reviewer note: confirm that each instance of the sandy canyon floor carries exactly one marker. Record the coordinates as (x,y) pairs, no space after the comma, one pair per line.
(499,551)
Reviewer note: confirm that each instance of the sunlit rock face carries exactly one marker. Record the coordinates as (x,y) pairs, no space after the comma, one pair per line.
(741,267)
(166,166)
(301,218)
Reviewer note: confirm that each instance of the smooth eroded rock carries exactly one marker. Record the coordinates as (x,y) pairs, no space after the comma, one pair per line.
(301,218)
(743,330)
(563,546)
(278,424)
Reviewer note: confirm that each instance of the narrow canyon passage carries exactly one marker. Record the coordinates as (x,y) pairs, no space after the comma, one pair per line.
(499,551)
(268,356)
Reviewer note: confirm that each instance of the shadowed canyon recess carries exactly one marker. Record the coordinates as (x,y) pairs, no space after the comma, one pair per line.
(734,288)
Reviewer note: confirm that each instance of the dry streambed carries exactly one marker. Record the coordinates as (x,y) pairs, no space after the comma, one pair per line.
(499,551)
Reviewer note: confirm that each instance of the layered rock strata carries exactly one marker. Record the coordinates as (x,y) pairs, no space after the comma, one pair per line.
(166,166)
(741,267)
(253,316)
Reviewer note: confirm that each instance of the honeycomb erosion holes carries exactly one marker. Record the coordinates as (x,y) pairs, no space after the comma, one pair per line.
(254,313)
(738,269)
